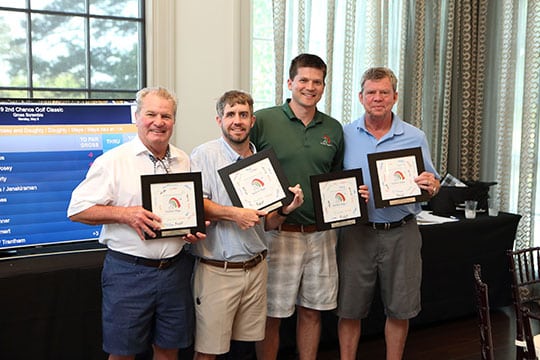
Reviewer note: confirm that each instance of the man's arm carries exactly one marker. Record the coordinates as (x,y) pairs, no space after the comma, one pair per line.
(244,218)
(137,217)
(274,219)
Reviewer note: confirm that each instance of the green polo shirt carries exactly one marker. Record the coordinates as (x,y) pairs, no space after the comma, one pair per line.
(301,150)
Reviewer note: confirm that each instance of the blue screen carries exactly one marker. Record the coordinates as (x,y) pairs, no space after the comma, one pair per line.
(45,152)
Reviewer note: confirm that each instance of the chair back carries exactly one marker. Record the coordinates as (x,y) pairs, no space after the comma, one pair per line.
(484,319)
(525,271)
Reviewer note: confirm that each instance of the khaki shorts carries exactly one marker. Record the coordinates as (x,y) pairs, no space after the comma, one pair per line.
(302,270)
(229,305)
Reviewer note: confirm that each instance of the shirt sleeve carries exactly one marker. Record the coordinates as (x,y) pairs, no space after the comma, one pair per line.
(95,189)
(428,163)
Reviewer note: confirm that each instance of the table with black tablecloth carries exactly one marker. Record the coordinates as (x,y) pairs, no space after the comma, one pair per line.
(50,305)
(449,251)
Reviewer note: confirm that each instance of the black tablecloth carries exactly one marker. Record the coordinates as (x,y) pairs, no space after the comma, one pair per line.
(50,305)
(449,251)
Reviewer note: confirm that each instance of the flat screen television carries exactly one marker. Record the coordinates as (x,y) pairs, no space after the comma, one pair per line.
(46,149)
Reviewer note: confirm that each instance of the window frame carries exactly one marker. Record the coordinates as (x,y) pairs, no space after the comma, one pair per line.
(88,91)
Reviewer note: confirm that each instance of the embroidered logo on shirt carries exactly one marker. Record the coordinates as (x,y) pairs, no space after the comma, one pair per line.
(326,141)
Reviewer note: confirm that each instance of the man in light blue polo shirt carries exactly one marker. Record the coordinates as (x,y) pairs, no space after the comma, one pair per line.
(388,249)
(230,277)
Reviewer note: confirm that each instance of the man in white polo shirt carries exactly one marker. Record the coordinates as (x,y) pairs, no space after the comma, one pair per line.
(146,285)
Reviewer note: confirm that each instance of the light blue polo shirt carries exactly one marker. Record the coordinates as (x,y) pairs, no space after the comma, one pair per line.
(359,142)
(224,239)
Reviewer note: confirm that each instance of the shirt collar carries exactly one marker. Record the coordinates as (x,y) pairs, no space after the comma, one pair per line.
(141,149)
(232,155)
(317,118)
(395,130)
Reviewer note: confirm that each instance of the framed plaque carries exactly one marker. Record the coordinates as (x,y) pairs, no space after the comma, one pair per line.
(392,177)
(257,182)
(177,199)
(336,200)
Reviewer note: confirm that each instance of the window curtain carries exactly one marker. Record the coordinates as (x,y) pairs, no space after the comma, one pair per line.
(516,46)
(458,65)
(528,161)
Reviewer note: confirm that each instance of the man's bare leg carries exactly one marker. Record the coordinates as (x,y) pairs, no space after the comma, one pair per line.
(201,356)
(308,332)
(268,348)
(395,333)
(349,331)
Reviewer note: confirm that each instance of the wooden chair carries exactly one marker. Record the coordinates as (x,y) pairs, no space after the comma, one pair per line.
(532,341)
(484,320)
(525,270)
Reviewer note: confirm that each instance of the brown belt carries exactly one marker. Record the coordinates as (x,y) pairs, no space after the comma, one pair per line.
(246,265)
(298,228)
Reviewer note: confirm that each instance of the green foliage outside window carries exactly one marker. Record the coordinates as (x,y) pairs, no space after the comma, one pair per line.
(71,48)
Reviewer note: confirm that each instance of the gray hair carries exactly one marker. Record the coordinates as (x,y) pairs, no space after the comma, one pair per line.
(159,91)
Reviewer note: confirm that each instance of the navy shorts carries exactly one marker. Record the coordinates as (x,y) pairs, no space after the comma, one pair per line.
(145,305)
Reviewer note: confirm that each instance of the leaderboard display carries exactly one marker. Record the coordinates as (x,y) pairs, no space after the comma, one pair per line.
(45,152)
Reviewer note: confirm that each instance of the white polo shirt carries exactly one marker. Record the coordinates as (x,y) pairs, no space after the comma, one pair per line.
(115,179)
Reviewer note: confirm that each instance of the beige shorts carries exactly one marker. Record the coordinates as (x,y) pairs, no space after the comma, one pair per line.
(229,305)
(302,270)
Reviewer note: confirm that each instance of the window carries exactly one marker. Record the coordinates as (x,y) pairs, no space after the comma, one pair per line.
(263,73)
(71,48)
(306,27)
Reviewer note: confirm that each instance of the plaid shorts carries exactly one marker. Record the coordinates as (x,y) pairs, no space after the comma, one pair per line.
(302,270)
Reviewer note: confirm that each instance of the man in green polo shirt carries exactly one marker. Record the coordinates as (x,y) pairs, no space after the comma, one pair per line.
(302,270)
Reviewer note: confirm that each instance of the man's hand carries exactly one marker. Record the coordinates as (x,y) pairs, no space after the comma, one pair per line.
(274,219)
(193,238)
(140,219)
(427,181)
(247,218)
(297,201)
(364,192)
